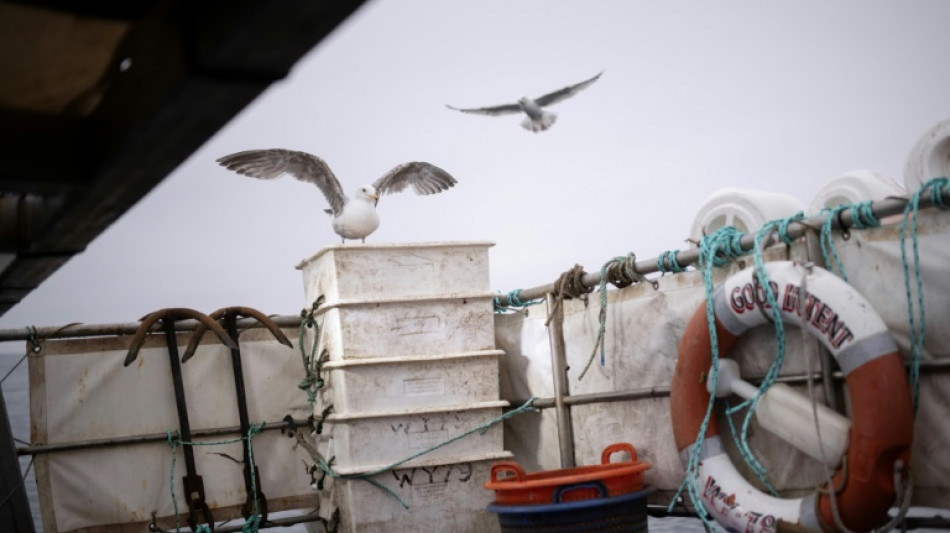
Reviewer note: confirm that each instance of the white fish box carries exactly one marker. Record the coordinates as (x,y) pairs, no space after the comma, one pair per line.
(407,326)
(375,440)
(387,383)
(371,271)
(440,497)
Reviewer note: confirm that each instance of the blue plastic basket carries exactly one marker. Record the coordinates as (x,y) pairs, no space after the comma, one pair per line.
(627,513)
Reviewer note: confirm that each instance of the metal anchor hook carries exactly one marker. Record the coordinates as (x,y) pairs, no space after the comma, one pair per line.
(234,311)
(230,315)
(192,482)
(173,314)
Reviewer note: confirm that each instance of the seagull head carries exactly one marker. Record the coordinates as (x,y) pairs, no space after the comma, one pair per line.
(367,193)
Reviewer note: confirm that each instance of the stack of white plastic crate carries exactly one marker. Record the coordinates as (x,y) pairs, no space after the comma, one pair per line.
(412,364)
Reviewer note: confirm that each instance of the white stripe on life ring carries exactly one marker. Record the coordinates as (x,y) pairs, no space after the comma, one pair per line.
(842,319)
(732,501)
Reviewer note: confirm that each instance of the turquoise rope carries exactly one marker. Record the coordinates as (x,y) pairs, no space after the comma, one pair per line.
(367,476)
(715,249)
(775,368)
(744,451)
(253,522)
(783,227)
(174,443)
(668,257)
(514,302)
(761,237)
(938,189)
(628,263)
(862,217)
(826,240)
(628,274)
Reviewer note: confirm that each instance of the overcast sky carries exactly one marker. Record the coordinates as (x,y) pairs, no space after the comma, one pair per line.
(696,96)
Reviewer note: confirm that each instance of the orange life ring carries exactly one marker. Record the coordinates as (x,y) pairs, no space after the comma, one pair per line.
(881,414)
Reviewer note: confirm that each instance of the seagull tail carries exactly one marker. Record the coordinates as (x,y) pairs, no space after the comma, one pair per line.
(546,121)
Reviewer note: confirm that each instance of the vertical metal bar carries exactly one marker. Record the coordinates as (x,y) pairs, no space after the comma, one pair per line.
(191,482)
(256,502)
(231,327)
(565,426)
(185,429)
(813,250)
(15,512)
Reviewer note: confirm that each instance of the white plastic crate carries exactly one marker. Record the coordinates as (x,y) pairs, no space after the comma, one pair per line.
(371,271)
(440,497)
(366,441)
(407,326)
(388,383)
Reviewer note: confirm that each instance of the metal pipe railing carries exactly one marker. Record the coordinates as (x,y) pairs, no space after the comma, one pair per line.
(844,220)
(37,449)
(125,328)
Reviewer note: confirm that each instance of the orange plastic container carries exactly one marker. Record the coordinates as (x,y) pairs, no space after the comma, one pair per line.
(513,486)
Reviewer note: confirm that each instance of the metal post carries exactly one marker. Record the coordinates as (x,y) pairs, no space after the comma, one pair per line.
(15,515)
(565,427)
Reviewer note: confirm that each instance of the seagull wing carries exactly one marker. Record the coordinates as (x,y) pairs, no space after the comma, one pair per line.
(494,110)
(425,178)
(274,163)
(567,92)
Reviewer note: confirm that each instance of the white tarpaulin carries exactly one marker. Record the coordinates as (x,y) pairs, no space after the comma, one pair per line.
(643,331)
(81,391)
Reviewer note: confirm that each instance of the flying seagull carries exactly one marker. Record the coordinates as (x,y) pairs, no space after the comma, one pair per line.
(538,119)
(353,218)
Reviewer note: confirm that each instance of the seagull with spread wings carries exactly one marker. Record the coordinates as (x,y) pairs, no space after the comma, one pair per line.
(538,119)
(353,218)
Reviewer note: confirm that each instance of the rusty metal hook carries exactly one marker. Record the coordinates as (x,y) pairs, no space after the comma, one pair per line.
(235,311)
(173,314)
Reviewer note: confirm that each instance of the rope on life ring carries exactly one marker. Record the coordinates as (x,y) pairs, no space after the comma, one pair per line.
(881,413)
